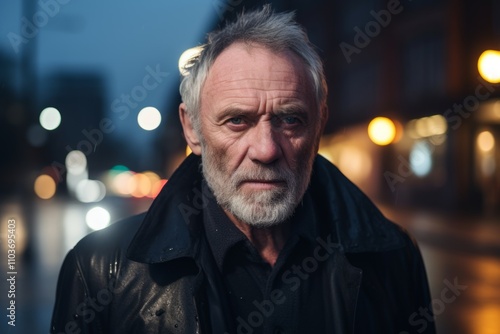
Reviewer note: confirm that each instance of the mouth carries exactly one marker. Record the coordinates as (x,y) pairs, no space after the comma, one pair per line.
(263,184)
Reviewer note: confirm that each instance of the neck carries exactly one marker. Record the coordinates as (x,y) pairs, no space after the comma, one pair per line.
(268,241)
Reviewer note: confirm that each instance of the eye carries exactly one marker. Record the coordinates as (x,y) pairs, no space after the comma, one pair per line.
(290,120)
(237,123)
(235,120)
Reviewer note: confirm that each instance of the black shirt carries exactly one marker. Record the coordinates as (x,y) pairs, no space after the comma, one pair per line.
(286,298)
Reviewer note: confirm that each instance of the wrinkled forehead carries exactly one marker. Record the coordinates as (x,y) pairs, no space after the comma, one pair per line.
(243,64)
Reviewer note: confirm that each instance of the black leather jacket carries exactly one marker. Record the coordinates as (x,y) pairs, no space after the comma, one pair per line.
(154,273)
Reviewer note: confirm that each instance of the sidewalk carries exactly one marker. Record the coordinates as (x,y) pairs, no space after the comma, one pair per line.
(461,252)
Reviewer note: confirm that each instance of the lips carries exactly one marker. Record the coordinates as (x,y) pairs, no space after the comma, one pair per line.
(263,184)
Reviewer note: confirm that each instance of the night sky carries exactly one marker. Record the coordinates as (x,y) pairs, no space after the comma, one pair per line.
(121,41)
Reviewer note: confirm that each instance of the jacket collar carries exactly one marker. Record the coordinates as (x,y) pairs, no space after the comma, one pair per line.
(358,223)
(172,226)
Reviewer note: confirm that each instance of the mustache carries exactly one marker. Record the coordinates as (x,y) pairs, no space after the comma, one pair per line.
(265,174)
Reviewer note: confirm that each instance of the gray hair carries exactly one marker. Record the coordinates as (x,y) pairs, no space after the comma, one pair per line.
(276,31)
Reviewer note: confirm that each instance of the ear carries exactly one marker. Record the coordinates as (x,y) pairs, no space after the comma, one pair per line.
(189,133)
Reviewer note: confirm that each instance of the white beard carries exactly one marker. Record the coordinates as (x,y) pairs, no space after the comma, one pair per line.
(260,208)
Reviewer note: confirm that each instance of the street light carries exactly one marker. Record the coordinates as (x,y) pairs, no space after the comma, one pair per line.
(50,118)
(149,118)
(488,65)
(382,131)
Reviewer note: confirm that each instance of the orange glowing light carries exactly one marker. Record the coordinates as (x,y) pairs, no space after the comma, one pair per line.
(382,131)
(45,186)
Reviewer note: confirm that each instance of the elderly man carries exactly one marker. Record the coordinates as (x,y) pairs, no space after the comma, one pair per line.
(265,237)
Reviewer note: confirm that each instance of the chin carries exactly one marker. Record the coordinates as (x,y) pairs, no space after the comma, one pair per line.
(262,214)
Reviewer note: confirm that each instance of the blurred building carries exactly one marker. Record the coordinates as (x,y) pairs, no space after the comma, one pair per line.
(415,62)
(13,116)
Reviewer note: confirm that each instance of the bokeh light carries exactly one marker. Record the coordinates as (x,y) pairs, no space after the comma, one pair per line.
(88,191)
(119,169)
(382,131)
(45,186)
(121,183)
(149,118)
(140,185)
(50,118)
(73,180)
(152,176)
(488,65)
(424,127)
(97,218)
(485,141)
(421,158)
(438,125)
(76,162)
(153,179)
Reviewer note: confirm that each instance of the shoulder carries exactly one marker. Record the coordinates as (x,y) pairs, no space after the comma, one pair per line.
(117,235)
(101,249)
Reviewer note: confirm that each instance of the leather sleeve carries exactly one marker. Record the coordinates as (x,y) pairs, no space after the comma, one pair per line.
(75,310)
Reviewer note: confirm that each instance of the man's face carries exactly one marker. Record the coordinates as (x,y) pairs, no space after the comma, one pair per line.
(260,129)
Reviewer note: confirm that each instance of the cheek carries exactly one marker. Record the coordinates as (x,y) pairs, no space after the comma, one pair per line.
(299,151)
(224,152)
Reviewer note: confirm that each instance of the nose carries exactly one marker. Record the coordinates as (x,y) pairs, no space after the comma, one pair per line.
(264,146)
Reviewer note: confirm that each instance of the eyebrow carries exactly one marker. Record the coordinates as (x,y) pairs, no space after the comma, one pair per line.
(287,109)
(232,112)
(291,109)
